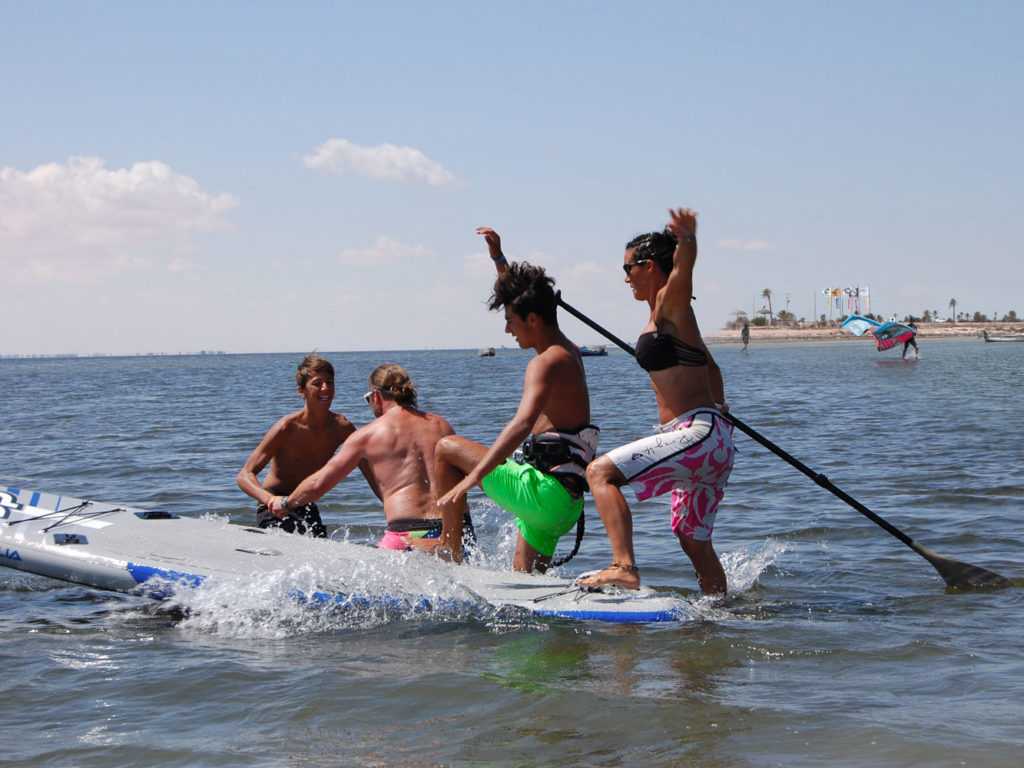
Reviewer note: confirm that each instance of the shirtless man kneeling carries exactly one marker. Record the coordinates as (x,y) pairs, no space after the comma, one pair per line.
(297,445)
(398,446)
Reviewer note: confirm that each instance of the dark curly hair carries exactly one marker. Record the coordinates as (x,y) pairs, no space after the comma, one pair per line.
(524,288)
(656,246)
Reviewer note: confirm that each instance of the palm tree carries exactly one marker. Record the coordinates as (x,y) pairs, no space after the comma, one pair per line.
(952,306)
(767,294)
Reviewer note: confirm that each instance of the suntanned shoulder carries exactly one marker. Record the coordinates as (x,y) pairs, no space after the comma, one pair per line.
(342,422)
(442,423)
(557,353)
(286,421)
(567,354)
(436,421)
(546,367)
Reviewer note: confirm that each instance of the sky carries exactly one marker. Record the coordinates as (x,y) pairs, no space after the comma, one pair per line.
(252,177)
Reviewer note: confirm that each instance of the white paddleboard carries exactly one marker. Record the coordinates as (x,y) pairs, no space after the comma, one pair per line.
(157,553)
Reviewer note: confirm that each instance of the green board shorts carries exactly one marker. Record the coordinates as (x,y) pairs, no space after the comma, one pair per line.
(543,508)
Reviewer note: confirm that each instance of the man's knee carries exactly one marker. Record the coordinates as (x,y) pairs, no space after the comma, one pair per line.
(602,472)
(445,447)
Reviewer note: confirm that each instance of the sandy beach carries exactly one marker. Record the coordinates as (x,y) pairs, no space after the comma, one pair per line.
(924,331)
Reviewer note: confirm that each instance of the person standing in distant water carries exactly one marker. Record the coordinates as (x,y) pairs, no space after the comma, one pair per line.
(398,446)
(691,453)
(745,334)
(911,342)
(296,446)
(543,485)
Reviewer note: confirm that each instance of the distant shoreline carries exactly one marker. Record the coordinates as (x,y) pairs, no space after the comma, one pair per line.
(924,331)
(758,335)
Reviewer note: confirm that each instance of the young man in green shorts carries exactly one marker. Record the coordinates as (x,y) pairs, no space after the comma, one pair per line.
(543,484)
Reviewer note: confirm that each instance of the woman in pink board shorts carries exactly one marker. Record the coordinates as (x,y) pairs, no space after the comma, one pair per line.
(691,452)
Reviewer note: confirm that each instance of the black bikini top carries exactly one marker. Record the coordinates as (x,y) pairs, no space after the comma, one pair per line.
(658,351)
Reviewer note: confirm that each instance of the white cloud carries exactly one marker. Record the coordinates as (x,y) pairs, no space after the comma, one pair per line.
(587,269)
(385,250)
(744,245)
(478,265)
(70,221)
(384,161)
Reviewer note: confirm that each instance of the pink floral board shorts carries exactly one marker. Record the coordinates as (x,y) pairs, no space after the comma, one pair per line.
(691,456)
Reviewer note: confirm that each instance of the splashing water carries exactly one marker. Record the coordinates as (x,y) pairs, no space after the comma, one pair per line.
(744,567)
(327,597)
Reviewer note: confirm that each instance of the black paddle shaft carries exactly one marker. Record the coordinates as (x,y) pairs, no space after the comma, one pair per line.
(820,479)
(956,574)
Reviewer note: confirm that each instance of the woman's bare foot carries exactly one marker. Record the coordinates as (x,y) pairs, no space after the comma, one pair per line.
(624,575)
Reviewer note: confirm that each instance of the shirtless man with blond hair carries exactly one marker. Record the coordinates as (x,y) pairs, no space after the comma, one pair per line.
(296,446)
(398,447)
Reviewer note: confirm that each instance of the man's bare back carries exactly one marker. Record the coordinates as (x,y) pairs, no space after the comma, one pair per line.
(399,447)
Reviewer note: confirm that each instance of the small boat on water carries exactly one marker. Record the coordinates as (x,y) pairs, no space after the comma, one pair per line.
(1003,337)
(487,352)
(599,350)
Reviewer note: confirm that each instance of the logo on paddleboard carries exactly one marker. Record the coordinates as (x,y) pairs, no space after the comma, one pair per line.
(8,504)
(10,554)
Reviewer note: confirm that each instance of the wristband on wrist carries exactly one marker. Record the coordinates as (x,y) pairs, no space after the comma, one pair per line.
(499,259)
(284,503)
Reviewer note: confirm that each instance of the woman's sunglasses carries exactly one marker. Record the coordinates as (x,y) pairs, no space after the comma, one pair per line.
(628,266)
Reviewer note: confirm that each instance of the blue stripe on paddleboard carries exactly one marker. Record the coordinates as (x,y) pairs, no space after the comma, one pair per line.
(425,605)
(143,573)
(615,617)
(419,605)
(35,499)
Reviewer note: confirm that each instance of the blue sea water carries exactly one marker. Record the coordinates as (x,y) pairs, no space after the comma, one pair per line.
(837,645)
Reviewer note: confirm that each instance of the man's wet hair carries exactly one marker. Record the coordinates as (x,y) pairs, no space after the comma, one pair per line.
(393,383)
(659,247)
(313,364)
(524,288)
